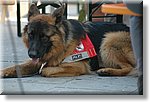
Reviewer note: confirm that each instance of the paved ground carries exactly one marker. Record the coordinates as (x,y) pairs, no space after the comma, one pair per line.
(85,84)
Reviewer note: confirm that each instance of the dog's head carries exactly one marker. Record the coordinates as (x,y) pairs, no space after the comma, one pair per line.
(42,35)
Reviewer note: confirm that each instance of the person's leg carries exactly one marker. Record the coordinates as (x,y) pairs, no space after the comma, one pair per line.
(137,44)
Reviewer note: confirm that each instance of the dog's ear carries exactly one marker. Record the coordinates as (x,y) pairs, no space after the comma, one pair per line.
(33,11)
(58,14)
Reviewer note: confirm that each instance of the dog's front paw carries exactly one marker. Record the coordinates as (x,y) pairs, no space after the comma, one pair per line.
(6,73)
(45,73)
(48,72)
(3,74)
(52,72)
(103,72)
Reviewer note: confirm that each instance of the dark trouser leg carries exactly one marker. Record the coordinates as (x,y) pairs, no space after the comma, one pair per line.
(137,44)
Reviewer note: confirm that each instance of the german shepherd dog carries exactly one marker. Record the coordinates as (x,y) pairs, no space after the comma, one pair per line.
(50,39)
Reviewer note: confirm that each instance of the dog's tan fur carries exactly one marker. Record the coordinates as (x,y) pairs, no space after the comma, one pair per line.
(116,53)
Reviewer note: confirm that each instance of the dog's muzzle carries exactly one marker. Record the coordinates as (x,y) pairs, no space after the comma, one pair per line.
(34,56)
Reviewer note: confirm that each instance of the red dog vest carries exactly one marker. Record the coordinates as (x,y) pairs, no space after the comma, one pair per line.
(84,50)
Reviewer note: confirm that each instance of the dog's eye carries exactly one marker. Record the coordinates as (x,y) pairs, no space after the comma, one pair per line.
(45,38)
(30,35)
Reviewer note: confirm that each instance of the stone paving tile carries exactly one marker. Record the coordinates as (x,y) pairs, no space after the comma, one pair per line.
(102,85)
(29,88)
(86,84)
(78,91)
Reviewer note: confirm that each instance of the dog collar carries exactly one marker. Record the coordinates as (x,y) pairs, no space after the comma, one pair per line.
(42,66)
(83,51)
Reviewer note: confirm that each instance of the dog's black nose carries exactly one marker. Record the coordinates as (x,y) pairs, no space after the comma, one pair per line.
(33,54)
